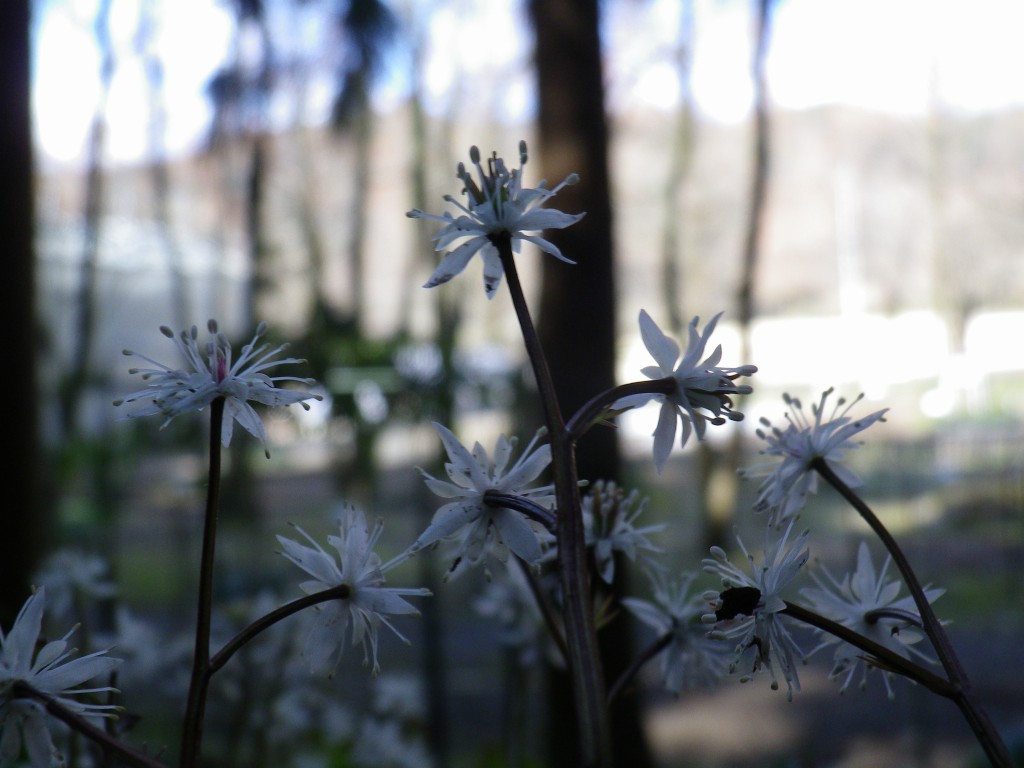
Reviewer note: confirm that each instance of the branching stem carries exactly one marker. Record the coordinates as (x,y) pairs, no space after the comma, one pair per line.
(580,634)
(965,697)
(192,730)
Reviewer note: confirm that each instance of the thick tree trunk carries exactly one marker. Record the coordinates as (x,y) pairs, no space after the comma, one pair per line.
(577,311)
(24,521)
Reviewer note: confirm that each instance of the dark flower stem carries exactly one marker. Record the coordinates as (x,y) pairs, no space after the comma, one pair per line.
(547,609)
(264,623)
(580,634)
(78,723)
(597,406)
(648,653)
(531,509)
(886,658)
(192,730)
(965,697)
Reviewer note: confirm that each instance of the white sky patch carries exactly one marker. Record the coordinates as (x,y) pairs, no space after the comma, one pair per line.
(894,55)
(898,56)
(193,39)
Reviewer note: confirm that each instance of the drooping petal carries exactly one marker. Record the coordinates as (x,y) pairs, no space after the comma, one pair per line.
(664,435)
(663,349)
(518,534)
(454,262)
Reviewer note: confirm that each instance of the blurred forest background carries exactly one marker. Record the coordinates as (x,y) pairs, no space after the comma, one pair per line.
(842,178)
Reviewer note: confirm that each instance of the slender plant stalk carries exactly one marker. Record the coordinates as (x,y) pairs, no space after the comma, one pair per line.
(887,659)
(264,623)
(592,411)
(547,608)
(531,509)
(192,731)
(78,723)
(581,637)
(964,697)
(646,655)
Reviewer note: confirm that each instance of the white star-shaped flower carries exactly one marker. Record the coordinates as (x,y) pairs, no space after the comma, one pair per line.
(46,668)
(368,600)
(869,605)
(608,519)
(171,391)
(748,609)
(704,390)
(498,206)
(485,530)
(689,658)
(783,493)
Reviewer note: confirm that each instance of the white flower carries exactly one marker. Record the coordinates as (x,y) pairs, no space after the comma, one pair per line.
(368,599)
(866,603)
(71,576)
(690,658)
(784,491)
(483,529)
(384,744)
(748,610)
(509,601)
(702,387)
(171,391)
(498,206)
(608,518)
(23,721)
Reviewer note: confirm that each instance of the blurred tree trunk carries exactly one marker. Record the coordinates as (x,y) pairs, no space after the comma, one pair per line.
(85,310)
(680,164)
(447,311)
(25,520)
(577,310)
(720,471)
(159,173)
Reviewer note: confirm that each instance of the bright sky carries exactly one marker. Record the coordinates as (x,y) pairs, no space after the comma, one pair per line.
(891,55)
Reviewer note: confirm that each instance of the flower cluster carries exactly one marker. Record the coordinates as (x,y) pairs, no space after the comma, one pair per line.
(171,391)
(484,529)
(46,669)
(689,657)
(367,601)
(869,605)
(748,610)
(608,519)
(498,206)
(703,390)
(783,493)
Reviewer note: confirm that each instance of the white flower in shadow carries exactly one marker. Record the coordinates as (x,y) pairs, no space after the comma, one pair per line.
(367,602)
(869,605)
(483,529)
(784,491)
(47,668)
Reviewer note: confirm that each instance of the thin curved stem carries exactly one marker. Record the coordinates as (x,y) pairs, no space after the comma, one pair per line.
(872,617)
(630,672)
(547,609)
(21,689)
(889,659)
(531,509)
(192,730)
(584,658)
(592,410)
(264,623)
(965,699)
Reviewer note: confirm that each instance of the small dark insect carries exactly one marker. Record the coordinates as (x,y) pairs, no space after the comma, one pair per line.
(737,601)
